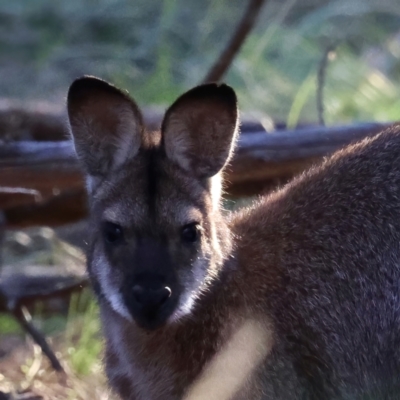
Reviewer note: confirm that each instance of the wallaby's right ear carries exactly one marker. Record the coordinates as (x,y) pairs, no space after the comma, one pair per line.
(106,125)
(200,128)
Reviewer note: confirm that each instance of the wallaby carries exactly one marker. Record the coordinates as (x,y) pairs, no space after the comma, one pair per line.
(294,297)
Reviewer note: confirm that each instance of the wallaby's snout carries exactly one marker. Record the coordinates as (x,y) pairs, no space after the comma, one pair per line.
(150,305)
(151,294)
(148,298)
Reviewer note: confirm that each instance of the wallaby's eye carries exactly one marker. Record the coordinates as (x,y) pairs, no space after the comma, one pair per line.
(190,233)
(113,233)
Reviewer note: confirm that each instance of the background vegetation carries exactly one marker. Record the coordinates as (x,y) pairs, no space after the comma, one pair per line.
(158,49)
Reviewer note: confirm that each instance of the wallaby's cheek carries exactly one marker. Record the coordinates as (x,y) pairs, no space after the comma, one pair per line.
(192,281)
(109,281)
(194,271)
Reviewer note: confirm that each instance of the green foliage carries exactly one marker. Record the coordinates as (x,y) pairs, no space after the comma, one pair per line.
(77,335)
(82,337)
(8,325)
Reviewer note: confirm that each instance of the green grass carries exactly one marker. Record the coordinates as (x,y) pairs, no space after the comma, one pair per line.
(82,336)
(76,339)
(8,325)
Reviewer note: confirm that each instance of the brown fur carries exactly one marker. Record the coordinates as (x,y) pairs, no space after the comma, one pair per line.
(302,288)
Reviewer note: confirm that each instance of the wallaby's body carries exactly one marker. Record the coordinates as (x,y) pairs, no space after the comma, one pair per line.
(309,276)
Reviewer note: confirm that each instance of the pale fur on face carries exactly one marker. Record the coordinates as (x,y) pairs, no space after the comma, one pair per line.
(109,286)
(204,269)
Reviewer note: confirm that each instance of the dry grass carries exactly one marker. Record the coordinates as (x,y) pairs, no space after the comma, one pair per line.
(25,368)
(78,344)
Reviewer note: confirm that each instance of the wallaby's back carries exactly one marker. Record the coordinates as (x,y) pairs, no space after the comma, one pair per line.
(328,246)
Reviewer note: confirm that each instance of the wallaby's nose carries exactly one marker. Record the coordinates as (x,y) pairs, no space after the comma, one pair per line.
(151,298)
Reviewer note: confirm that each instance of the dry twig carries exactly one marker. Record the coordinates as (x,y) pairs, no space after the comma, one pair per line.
(24,318)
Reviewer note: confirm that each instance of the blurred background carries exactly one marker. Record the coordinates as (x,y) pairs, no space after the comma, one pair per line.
(157,50)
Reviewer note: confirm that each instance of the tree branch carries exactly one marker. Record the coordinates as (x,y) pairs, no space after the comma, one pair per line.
(24,318)
(246,24)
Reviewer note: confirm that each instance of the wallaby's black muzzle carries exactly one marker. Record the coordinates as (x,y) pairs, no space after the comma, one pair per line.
(152,292)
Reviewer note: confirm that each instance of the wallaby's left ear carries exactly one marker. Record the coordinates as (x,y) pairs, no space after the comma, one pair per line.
(106,125)
(200,128)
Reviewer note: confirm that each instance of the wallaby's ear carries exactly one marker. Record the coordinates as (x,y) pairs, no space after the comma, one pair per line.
(199,129)
(106,125)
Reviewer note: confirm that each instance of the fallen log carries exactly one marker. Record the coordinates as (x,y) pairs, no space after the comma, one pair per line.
(70,206)
(262,161)
(12,196)
(33,283)
(35,120)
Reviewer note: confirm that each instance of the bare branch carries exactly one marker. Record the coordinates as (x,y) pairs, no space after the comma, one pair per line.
(24,318)
(246,24)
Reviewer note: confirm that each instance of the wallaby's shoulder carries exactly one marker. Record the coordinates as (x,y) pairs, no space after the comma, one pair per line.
(372,158)
(321,253)
(354,186)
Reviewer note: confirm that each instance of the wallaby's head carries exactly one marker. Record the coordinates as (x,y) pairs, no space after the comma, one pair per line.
(157,235)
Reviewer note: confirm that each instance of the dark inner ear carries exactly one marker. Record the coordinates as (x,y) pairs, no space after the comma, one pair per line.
(106,125)
(199,129)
